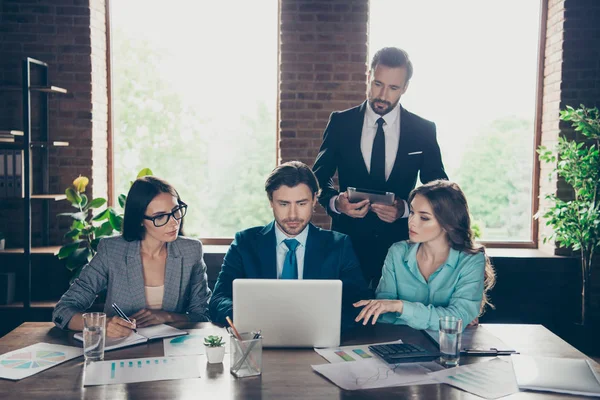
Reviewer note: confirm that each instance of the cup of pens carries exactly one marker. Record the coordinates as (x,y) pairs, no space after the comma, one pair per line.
(246,354)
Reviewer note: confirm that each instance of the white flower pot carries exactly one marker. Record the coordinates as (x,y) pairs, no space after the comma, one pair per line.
(215,355)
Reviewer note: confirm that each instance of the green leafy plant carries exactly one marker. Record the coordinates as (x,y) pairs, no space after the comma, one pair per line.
(576,222)
(88,227)
(214,341)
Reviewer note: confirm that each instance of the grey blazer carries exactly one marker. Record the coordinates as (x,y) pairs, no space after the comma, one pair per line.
(117,267)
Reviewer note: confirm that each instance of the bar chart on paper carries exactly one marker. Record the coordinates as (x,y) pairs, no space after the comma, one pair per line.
(141,370)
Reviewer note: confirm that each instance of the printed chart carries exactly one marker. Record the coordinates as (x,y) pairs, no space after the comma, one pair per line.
(141,370)
(30,360)
(347,353)
(192,344)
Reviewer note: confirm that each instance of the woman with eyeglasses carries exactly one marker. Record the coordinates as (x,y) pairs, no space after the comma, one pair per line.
(151,272)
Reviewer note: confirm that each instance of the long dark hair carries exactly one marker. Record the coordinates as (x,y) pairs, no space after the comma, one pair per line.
(140,194)
(451,210)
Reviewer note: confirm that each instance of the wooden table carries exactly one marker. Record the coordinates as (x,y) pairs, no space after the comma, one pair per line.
(286,373)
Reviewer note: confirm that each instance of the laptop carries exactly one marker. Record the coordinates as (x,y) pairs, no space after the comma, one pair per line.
(290,312)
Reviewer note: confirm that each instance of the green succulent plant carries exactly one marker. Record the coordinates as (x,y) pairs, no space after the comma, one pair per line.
(214,341)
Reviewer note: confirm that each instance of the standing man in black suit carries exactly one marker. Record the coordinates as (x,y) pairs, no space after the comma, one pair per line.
(377,145)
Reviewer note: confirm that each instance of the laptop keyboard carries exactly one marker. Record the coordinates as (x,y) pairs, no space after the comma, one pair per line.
(403,352)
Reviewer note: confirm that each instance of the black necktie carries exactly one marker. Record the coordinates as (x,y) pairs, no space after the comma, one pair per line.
(378,156)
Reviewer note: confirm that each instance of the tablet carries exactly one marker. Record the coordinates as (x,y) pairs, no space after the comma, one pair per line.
(374,196)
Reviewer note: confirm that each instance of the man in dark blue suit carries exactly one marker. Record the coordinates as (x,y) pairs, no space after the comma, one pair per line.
(290,247)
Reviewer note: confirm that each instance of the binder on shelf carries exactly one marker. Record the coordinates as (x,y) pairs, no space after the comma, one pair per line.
(10,174)
(18,157)
(2,173)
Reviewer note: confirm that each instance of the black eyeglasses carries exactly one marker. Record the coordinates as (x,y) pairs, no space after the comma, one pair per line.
(163,219)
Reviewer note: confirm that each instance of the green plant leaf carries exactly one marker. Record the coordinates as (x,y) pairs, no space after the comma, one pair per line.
(74,233)
(106,229)
(98,202)
(73,196)
(115,219)
(122,199)
(78,258)
(84,200)
(144,172)
(68,249)
(102,216)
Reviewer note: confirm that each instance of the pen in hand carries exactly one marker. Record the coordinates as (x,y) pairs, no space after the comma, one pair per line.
(121,314)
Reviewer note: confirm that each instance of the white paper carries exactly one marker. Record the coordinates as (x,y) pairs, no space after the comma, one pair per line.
(490,379)
(141,370)
(561,375)
(30,360)
(349,353)
(475,338)
(142,336)
(160,331)
(192,344)
(374,373)
(117,343)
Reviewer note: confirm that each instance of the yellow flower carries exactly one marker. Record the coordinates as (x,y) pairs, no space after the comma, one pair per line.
(80,183)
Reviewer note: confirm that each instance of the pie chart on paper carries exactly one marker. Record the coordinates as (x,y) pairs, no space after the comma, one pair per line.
(33,359)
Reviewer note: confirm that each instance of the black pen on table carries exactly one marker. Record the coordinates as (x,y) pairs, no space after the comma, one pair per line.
(122,314)
(487,353)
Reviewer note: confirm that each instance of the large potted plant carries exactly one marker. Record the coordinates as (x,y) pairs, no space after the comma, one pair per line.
(576,222)
(88,227)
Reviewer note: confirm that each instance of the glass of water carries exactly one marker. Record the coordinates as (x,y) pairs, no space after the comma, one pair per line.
(94,326)
(450,335)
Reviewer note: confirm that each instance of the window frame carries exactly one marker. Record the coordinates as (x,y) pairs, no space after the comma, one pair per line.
(530,244)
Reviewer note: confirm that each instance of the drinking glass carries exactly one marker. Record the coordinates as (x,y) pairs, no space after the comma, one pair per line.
(450,338)
(94,331)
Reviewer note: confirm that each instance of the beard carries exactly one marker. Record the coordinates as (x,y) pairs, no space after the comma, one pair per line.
(382,111)
(292,231)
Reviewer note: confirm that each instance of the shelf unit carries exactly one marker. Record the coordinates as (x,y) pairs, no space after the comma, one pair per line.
(21,139)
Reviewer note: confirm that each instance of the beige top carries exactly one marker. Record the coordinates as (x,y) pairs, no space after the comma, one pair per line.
(154,296)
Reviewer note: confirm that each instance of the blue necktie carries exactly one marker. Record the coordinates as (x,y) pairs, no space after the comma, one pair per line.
(378,157)
(290,264)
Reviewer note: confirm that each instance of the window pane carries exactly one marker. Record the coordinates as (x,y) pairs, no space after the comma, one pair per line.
(475,72)
(194,99)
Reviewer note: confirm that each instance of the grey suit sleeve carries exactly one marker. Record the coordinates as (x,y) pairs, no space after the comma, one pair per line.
(197,309)
(326,164)
(432,168)
(82,293)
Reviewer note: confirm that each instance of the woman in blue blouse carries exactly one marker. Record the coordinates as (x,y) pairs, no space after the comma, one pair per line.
(440,271)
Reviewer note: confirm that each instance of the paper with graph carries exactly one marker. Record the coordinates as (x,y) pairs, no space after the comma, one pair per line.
(373,373)
(141,370)
(348,353)
(490,379)
(30,360)
(192,344)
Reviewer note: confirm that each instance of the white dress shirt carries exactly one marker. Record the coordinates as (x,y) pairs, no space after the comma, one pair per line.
(282,249)
(391,131)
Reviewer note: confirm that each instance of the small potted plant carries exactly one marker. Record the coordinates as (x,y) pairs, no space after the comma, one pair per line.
(215,349)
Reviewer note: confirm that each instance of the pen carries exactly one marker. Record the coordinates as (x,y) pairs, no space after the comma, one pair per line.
(121,314)
(487,353)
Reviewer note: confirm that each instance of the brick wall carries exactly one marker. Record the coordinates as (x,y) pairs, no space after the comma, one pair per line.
(323,65)
(571,77)
(58,33)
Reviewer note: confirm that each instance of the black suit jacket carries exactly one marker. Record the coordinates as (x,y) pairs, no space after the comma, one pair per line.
(418,155)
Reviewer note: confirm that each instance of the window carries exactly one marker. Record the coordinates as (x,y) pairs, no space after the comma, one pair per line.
(194,99)
(475,73)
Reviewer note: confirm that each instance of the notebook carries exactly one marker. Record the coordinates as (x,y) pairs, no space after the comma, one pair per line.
(142,336)
(561,375)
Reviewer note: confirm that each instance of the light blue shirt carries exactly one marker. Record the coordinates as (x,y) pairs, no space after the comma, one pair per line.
(282,250)
(455,288)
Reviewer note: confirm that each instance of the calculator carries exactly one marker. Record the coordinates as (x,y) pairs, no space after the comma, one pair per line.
(396,353)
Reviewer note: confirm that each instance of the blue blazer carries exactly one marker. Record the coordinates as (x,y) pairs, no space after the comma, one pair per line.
(117,267)
(252,255)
